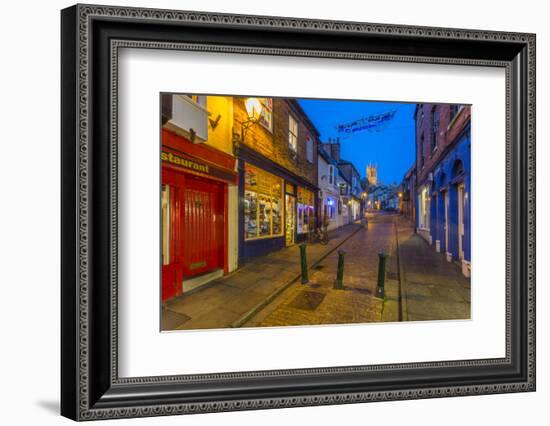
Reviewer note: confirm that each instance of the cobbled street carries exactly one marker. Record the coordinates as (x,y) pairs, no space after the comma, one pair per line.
(317,302)
(419,284)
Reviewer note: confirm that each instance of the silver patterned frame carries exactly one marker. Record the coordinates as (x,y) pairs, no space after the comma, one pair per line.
(91,388)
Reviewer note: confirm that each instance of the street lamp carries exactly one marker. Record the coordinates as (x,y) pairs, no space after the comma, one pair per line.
(254,109)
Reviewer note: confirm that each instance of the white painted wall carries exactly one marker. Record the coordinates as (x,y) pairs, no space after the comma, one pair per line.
(329,190)
(232,227)
(29,220)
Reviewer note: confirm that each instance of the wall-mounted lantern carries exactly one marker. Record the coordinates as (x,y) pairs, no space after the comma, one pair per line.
(254,110)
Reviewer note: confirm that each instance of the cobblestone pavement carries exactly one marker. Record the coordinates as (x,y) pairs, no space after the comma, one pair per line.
(419,284)
(318,303)
(230,300)
(432,288)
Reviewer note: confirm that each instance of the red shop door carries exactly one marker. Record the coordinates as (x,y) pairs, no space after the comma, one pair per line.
(203,226)
(192,229)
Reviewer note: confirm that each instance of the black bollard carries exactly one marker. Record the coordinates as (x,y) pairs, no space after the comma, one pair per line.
(381,274)
(303,259)
(339,281)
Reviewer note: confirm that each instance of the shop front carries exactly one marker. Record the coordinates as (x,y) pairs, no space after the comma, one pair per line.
(263,204)
(277,208)
(198,186)
(306,213)
(290,214)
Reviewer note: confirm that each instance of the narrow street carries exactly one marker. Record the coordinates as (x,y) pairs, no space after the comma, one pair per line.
(419,284)
(319,303)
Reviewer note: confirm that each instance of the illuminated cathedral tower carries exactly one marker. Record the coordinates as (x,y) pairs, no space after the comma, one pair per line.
(372,174)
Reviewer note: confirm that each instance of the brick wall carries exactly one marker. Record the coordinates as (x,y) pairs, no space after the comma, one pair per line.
(428,151)
(274,145)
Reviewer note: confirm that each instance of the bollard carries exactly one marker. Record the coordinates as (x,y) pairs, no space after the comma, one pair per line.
(338,282)
(303,258)
(381,274)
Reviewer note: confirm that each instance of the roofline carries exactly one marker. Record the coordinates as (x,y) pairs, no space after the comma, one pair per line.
(342,175)
(293,102)
(351,164)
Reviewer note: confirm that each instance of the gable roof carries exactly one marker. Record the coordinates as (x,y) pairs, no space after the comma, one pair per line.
(346,163)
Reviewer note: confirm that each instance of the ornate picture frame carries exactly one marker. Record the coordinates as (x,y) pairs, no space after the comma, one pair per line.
(91,38)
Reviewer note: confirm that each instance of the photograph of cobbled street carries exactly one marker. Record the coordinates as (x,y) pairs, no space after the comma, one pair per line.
(300,212)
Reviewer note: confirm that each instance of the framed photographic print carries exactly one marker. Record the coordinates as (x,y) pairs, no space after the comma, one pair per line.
(263,212)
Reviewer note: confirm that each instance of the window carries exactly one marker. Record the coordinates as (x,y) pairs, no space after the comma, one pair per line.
(331,174)
(309,149)
(266,118)
(263,204)
(435,128)
(292,134)
(305,210)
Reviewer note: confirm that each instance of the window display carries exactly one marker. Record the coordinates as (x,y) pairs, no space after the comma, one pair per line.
(250,214)
(262,204)
(305,211)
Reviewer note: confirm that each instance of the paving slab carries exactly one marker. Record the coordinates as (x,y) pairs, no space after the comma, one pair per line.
(433,288)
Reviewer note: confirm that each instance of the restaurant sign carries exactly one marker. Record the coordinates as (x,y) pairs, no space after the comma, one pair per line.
(198,166)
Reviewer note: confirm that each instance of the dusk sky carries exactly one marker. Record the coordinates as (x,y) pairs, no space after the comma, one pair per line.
(391,147)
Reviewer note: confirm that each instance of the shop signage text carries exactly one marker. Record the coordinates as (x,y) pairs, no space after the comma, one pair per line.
(184,162)
(198,166)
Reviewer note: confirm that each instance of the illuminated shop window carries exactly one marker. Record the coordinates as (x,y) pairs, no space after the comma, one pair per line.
(305,210)
(263,204)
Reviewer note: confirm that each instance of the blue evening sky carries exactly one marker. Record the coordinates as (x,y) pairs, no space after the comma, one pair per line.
(391,148)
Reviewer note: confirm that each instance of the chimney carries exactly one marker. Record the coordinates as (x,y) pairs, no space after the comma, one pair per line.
(335,150)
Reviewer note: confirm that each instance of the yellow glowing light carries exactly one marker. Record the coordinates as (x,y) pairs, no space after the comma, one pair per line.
(253,108)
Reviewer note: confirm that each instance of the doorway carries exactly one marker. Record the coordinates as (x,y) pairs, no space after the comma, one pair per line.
(290,226)
(460,221)
(446,225)
(193,229)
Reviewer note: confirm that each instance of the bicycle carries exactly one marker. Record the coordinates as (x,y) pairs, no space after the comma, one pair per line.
(320,234)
